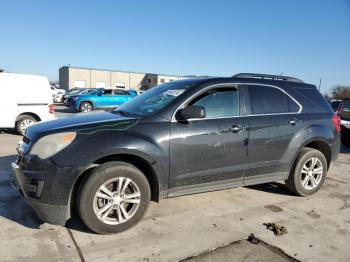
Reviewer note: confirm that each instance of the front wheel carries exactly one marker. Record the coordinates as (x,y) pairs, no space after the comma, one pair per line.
(85,107)
(24,122)
(113,198)
(309,172)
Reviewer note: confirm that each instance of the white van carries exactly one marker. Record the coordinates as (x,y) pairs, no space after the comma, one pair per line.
(24,100)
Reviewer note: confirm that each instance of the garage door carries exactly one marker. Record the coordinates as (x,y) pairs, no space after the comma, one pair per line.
(79,84)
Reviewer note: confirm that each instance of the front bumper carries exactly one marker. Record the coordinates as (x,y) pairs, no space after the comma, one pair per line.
(39,193)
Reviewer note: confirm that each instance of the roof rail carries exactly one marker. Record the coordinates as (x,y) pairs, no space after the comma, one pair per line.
(265,76)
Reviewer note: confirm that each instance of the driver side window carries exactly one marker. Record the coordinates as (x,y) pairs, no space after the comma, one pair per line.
(219,102)
(107,92)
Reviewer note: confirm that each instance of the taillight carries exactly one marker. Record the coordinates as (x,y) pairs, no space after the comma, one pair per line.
(336,122)
(51,109)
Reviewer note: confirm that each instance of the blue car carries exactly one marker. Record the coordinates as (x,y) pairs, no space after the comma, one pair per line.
(76,92)
(100,99)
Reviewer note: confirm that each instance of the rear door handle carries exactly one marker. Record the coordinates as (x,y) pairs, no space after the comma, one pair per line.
(293,121)
(236,128)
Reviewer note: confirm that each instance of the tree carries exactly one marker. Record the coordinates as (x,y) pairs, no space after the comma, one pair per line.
(340,92)
(327,97)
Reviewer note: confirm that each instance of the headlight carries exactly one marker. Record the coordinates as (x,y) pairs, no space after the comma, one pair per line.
(50,145)
(75,98)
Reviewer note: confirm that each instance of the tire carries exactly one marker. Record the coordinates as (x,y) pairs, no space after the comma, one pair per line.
(345,136)
(23,122)
(298,175)
(85,107)
(89,202)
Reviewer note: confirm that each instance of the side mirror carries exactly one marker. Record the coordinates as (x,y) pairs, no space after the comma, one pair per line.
(190,112)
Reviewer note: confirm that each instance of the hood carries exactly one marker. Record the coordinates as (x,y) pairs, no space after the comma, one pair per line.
(81,123)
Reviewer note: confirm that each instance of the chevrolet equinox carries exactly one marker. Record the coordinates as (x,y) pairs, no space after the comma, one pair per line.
(181,137)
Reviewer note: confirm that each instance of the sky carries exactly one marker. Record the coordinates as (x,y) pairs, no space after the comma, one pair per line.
(305,39)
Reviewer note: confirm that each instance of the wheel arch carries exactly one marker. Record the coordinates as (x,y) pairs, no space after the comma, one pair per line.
(142,164)
(320,145)
(28,114)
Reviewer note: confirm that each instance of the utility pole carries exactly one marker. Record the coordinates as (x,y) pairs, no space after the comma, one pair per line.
(319,85)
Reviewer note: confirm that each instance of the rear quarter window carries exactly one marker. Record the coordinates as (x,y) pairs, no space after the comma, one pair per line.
(314,102)
(270,100)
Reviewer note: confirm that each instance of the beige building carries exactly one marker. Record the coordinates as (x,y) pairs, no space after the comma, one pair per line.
(71,77)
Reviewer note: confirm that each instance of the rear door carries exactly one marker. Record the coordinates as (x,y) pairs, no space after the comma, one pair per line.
(273,121)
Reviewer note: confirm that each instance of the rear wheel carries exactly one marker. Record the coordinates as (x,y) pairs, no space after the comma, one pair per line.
(308,173)
(86,107)
(23,122)
(113,198)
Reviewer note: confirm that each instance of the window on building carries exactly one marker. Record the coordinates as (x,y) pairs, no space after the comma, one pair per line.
(220,102)
(270,100)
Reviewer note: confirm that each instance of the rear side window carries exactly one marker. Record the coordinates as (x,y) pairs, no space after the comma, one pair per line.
(270,100)
(220,102)
(346,105)
(121,93)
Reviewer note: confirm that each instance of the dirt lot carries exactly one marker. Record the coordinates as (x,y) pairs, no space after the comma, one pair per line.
(204,227)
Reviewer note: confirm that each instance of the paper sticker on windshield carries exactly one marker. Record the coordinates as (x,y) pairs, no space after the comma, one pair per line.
(174,92)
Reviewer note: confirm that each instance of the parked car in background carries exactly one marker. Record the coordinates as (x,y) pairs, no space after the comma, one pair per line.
(26,99)
(58,98)
(101,99)
(342,108)
(181,137)
(56,91)
(76,92)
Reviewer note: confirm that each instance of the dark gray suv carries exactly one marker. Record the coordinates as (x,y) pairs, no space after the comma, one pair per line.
(182,137)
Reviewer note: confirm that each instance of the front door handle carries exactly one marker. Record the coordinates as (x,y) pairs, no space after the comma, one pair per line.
(236,128)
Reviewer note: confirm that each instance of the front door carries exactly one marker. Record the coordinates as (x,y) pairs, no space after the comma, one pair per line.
(209,153)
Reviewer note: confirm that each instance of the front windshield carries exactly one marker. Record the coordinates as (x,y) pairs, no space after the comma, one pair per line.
(75,91)
(156,98)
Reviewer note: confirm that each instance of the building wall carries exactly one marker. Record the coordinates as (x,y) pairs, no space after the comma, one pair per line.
(71,77)
(119,79)
(166,78)
(64,77)
(100,76)
(77,74)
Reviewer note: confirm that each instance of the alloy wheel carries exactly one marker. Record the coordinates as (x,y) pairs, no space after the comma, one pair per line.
(116,201)
(311,173)
(86,107)
(25,124)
